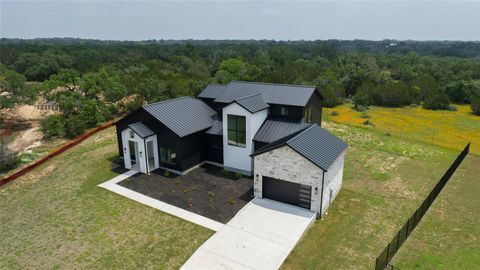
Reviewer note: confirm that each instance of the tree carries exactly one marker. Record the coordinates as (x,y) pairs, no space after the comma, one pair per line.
(474,96)
(15,89)
(231,69)
(53,126)
(332,90)
(436,99)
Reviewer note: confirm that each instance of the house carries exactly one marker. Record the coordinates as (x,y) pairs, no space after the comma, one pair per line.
(271,132)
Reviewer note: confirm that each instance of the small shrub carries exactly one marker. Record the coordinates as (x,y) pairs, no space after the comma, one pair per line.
(74,127)
(231,201)
(211,194)
(452,108)
(334,113)
(225,172)
(53,126)
(368,123)
(238,175)
(388,134)
(167,174)
(8,159)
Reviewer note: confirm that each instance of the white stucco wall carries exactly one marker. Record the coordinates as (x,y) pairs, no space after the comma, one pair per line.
(333,182)
(238,158)
(286,164)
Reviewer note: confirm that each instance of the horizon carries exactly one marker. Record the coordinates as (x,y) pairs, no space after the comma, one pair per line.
(240,21)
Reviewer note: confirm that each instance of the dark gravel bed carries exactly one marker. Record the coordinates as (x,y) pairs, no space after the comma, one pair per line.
(205,191)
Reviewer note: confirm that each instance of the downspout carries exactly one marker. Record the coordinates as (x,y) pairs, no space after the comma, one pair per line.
(321,196)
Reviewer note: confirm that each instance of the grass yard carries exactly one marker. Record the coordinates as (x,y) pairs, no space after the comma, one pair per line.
(385,180)
(443,128)
(57,217)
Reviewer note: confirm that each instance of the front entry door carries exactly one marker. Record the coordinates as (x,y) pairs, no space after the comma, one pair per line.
(133,149)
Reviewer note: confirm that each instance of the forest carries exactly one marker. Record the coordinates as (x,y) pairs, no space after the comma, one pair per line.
(94,81)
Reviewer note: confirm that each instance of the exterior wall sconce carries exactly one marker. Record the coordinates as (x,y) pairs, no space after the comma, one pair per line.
(316,190)
(140,153)
(256,178)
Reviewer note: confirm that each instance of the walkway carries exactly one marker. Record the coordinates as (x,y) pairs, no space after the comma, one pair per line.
(170,209)
(260,237)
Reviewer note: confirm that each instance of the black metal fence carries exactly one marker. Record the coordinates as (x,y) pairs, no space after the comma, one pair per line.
(387,254)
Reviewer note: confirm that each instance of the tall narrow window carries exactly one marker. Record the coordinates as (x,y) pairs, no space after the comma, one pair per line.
(236,130)
(307,115)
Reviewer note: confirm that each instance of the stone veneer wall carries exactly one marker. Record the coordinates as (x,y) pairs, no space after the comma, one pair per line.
(333,182)
(286,164)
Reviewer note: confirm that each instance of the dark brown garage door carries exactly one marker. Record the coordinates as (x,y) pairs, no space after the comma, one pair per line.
(286,192)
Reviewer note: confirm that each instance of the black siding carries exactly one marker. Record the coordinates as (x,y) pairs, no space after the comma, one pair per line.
(315,102)
(188,149)
(293,111)
(213,148)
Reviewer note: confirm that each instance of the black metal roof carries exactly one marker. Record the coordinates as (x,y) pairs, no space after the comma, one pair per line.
(212,90)
(253,103)
(272,93)
(276,128)
(141,130)
(184,115)
(314,143)
(216,129)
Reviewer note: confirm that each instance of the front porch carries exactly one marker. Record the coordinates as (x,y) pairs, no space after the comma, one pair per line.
(205,190)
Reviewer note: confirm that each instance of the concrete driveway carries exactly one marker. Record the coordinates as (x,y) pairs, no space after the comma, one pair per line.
(260,236)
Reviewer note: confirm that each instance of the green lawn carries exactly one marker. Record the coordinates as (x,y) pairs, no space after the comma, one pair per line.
(57,217)
(385,179)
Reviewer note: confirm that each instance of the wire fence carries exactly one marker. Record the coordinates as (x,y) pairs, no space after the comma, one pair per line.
(383,260)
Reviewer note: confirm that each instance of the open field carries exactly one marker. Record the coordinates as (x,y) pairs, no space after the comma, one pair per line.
(385,180)
(56,216)
(443,128)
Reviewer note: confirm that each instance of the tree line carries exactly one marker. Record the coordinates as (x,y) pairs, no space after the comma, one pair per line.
(93,80)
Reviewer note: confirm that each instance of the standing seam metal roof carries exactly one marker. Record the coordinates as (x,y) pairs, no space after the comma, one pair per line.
(184,115)
(141,130)
(284,94)
(253,103)
(216,129)
(212,91)
(275,129)
(314,143)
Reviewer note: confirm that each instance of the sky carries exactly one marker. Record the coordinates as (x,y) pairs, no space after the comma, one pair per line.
(285,20)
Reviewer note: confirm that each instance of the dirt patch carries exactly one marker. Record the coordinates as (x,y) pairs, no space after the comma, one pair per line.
(29,134)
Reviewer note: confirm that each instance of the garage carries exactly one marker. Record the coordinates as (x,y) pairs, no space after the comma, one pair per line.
(286,192)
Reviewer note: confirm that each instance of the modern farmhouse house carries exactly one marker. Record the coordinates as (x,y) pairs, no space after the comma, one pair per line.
(271,132)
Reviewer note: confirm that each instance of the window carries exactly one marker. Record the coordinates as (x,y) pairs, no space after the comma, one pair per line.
(307,115)
(132,134)
(236,130)
(168,155)
(283,111)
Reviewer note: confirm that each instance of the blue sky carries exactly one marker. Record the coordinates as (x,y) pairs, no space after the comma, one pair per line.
(139,20)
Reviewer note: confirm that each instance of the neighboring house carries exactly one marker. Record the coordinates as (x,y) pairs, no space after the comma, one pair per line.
(269,131)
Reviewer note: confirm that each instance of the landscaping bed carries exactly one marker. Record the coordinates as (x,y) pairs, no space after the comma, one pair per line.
(207,190)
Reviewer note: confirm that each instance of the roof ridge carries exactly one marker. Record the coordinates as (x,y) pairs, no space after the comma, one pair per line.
(167,100)
(268,83)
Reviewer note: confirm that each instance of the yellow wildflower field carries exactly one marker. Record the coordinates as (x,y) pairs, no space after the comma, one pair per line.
(449,129)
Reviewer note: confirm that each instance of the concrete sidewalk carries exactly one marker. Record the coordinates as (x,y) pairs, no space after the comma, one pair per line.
(165,207)
(259,237)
